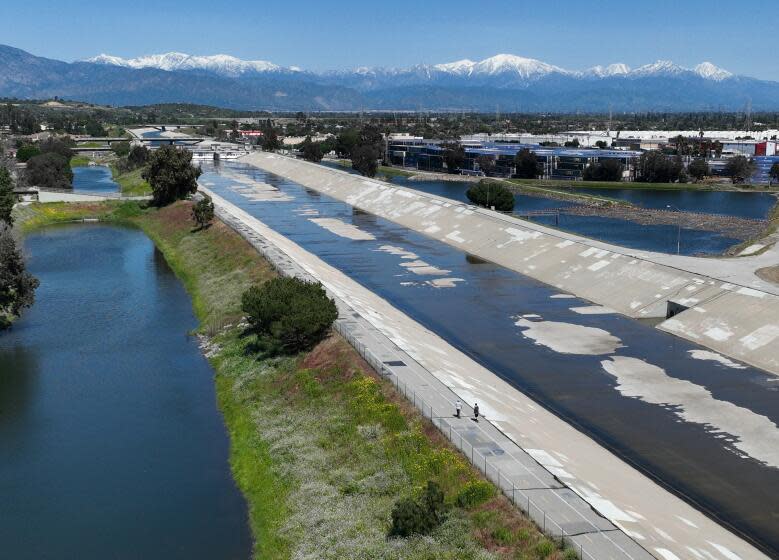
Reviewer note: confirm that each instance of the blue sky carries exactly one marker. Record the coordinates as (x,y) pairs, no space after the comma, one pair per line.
(316,35)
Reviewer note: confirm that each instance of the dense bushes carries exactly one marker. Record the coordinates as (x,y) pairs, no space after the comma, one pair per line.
(656,167)
(475,493)
(418,516)
(604,170)
(49,170)
(289,315)
(489,194)
(526,163)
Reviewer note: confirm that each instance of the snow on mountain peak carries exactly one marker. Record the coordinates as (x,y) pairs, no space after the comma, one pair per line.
(525,67)
(616,69)
(223,64)
(464,66)
(711,72)
(661,67)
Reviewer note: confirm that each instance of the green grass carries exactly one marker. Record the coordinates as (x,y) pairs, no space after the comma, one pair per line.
(131,183)
(79,161)
(321,447)
(613,185)
(91,145)
(34,216)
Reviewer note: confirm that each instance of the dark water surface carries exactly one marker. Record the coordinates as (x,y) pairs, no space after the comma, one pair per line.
(741,204)
(478,317)
(658,237)
(93,179)
(111,445)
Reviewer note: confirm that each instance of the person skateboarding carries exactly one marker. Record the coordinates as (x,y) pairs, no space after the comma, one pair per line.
(476,412)
(458,407)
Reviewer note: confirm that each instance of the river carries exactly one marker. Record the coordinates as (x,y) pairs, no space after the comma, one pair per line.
(703,425)
(93,179)
(112,444)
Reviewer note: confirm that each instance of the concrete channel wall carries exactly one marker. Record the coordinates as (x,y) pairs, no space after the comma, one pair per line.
(626,281)
(557,510)
(573,488)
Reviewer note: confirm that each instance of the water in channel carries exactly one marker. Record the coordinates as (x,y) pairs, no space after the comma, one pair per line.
(93,179)
(111,443)
(676,425)
(655,237)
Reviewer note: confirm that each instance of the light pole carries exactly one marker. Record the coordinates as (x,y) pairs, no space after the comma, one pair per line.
(678,231)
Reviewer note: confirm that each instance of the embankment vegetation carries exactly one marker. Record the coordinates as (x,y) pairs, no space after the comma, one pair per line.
(323,449)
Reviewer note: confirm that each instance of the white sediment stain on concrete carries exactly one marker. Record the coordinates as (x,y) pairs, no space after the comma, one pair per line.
(256,191)
(760,337)
(343,229)
(519,236)
(569,338)
(686,521)
(444,282)
(413,263)
(398,251)
(666,554)
(719,333)
(561,296)
(726,552)
(753,434)
(714,357)
(423,268)
(592,310)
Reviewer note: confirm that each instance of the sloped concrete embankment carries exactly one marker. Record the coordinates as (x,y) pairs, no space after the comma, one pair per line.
(627,281)
(573,488)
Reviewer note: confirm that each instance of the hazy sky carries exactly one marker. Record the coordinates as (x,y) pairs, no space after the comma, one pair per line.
(330,34)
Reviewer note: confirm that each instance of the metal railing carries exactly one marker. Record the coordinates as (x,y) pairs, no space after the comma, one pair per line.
(518,497)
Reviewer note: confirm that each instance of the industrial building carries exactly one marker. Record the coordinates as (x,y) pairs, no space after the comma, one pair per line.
(554,162)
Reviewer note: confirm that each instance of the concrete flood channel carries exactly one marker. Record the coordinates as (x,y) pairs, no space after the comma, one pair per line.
(701,424)
(113,446)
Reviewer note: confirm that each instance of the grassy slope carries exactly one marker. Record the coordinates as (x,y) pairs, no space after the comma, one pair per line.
(320,446)
(79,161)
(131,183)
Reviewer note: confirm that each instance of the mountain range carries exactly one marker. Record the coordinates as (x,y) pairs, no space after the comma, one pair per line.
(502,82)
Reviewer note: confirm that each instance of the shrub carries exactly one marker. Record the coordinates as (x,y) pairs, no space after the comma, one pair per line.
(491,194)
(474,493)
(418,517)
(26,152)
(293,315)
(203,211)
(503,536)
(544,548)
(121,149)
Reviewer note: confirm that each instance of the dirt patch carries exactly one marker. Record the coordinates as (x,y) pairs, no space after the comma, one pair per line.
(769,274)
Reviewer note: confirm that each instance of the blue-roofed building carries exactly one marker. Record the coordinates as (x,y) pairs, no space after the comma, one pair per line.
(554,162)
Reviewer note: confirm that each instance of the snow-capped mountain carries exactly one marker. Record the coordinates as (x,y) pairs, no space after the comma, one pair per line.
(513,83)
(508,67)
(616,69)
(220,64)
(711,72)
